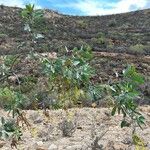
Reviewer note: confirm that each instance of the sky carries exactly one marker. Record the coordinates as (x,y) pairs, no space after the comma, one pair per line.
(84,7)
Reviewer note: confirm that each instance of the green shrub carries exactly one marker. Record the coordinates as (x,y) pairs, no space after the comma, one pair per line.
(68,127)
(82,24)
(110,44)
(125,25)
(9,129)
(137,48)
(112,23)
(101,39)
(12,101)
(31,16)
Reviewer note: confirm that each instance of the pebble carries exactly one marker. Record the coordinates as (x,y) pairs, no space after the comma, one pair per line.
(53,147)
(2,143)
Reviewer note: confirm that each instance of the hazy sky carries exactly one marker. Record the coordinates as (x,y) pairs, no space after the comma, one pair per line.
(84,7)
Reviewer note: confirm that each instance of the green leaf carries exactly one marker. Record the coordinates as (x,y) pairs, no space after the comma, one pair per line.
(119,108)
(2,120)
(141,120)
(123,111)
(52,69)
(6,135)
(137,78)
(113,111)
(1,134)
(75,63)
(124,124)
(129,71)
(132,74)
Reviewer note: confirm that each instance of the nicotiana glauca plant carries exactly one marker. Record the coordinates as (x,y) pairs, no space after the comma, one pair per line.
(30,16)
(69,75)
(11,101)
(125,92)
(33,21)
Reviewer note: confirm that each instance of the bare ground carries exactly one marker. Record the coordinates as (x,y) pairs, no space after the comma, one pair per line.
(45,134)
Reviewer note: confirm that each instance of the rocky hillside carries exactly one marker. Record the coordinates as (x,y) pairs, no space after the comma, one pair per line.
(123,33)
(113,39)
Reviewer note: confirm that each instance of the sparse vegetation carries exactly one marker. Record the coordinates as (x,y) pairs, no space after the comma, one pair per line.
(137,48)
(9,129)
(112,23)
(82,24)
(68,127)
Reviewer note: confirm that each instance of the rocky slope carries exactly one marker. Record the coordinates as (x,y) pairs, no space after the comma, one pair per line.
(112,33)
(115,40)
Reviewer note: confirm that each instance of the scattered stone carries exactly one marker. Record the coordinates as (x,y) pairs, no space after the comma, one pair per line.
(115,146)
(40,143)
(2,143)
(36,118)
(41,148)
(53,147)
(127,141)
(74,147)
(45,133)
(79,128)
(148,146)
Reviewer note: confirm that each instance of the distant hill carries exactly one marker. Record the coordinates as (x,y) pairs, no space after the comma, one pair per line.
(121,33)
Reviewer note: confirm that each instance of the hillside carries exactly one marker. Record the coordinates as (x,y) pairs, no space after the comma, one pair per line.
(113,33)
(115,40)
